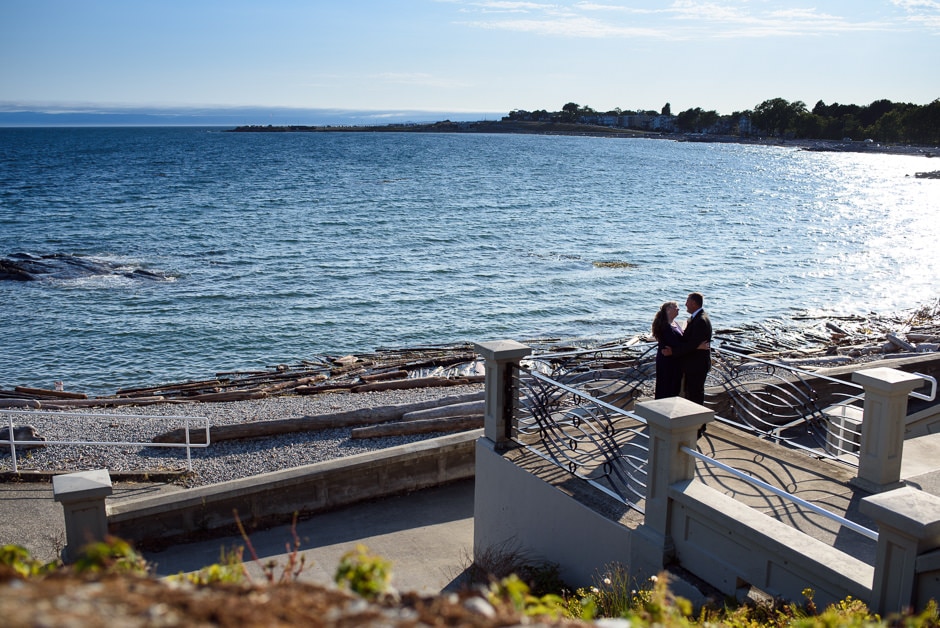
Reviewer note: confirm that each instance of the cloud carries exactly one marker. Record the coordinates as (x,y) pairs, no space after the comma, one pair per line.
(923,12)
(729,21)
(684,19)
(573,26)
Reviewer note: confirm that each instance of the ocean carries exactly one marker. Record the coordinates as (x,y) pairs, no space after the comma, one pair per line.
(168,254)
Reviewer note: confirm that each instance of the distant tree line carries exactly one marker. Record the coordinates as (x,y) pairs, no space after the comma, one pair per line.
(882,121)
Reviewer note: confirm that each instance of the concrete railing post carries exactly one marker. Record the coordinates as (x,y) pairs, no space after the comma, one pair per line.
(82,496)
(908,526)
(882,438)
(501,358)
(673,424)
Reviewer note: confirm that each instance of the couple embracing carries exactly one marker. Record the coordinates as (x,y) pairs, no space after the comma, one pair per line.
(683,353)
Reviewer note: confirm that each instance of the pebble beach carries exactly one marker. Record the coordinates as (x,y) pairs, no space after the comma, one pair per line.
(223,460)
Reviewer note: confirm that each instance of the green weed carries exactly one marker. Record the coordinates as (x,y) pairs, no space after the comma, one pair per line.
(229,570)
(113,555)
(22,563)
(363,573)
(514,592)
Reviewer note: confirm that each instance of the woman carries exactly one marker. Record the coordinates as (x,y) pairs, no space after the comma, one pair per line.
(668,334)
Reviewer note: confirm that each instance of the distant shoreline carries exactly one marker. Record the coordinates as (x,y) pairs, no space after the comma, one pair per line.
(590,130)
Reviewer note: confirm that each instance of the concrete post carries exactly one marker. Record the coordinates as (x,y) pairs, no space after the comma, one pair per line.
(882,439)
(82,496)
(673,424)
(501,358)
(908,526)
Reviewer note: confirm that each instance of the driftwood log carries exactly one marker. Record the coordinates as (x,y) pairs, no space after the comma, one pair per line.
(469,408)
(20,403)
(65,404)
(381,377)
(234,395)
(182,387)
(55,394)
(255,429)
(414,382)
(419,426)
(332,387)
(292,383)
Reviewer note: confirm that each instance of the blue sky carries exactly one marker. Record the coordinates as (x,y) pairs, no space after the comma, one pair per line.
(467,56)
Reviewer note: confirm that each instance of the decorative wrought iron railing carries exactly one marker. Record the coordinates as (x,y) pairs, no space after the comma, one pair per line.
(592,439)
(785,403)
(574,409)
(617,374)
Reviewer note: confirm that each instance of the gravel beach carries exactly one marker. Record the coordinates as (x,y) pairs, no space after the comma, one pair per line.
(223,460)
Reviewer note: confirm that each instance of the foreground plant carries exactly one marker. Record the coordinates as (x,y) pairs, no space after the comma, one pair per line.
(496,562)
(296,562)
(613,595)
(18,558)
(229,570)
(514,592)
(365,574)
(113,555)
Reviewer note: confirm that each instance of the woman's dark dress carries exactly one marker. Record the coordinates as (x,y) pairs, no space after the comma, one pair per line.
(668,370)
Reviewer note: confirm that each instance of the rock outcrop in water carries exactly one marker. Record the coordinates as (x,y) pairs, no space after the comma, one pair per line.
(27,267)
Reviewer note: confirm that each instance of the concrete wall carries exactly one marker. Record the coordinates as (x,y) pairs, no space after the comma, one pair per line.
(515,508)
(713,536)
(730,546)
(718,539)
(273,498)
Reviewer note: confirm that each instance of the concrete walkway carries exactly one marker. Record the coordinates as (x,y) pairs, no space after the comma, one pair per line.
(427,534)
(30,516)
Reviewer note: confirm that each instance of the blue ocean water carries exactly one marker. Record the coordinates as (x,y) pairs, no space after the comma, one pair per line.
(268,248)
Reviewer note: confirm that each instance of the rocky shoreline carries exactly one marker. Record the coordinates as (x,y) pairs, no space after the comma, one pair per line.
(802,336)
(593,130)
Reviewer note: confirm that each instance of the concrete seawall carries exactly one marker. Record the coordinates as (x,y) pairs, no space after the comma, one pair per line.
(274,498)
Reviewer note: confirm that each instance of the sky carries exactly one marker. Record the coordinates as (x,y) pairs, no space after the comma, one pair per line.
(477,57)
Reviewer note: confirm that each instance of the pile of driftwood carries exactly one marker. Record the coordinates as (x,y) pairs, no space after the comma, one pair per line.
(386,369)
(838,339)
(829,339)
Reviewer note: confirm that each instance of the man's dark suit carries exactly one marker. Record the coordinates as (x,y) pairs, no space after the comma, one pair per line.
(695,362)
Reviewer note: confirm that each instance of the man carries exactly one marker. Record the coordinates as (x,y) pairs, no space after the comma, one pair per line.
(695,362)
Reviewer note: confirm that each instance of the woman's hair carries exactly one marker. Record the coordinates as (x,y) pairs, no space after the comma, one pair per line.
(661,320)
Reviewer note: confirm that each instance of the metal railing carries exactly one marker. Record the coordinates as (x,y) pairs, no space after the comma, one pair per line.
(590,438)
(778,401)
(187,443)
(933,388)
(851,525)
(618,374)
(608,446)
(575,410)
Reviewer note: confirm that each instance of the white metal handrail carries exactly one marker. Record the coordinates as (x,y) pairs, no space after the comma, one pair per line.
(930,379)
(187,443)
(871,534)
(587,397)
(933,388)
